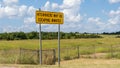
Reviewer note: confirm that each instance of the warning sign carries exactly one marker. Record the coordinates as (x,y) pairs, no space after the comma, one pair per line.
(45,17)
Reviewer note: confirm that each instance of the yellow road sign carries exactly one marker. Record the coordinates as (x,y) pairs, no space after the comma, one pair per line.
(45,17)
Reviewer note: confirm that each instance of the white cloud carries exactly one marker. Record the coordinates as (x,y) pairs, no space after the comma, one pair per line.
(71,4)
(11,9)
(114,1)
(31,11)
(9,29)
(26,28)
(70,8)
(95,20)
(10,2)
(31,15)
(115,20)
(22,10)
(29,20)
(113,13)
(95,24)
(2,12)
(114,16)
(47,6)
(0,5)
(55,6)
(109,25)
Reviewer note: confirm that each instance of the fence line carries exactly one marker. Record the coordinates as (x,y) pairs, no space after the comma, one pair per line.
(29,56)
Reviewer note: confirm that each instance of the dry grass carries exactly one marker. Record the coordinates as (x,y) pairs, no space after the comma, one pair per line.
(91,63)
(77,63)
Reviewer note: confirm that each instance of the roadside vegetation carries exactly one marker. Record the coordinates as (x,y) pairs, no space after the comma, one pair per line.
(45,35)
(90,45)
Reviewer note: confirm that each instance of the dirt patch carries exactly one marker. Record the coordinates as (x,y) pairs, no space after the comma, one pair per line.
(96,55)
(7,67)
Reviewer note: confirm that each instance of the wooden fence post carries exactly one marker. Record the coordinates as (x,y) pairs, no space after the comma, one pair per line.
(67,51)
(78,49)
(111,49)
(38,56)
(20,57)
(94,51)
(54,54)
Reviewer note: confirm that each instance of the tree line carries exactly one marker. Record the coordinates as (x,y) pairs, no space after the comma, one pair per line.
(45,35)
(111,33)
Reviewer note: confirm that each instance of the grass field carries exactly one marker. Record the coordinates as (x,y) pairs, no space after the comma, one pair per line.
(77,63)
(47,44)
(108,40)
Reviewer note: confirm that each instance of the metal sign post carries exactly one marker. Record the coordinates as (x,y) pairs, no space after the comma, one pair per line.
(59,45)
(40,43)
(40,48)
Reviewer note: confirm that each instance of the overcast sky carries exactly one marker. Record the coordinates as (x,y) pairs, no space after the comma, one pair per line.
(80,15)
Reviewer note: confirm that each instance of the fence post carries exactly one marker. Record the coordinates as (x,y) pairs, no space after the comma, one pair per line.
(68,54)
(94,52)
(38,55)
(54,54)
(20,57)
(78,49)
(111,49)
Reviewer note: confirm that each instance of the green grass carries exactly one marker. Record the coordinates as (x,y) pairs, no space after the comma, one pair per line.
(48,44)
(101,45)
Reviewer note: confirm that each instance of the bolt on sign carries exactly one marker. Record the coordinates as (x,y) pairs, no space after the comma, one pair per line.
(45,17)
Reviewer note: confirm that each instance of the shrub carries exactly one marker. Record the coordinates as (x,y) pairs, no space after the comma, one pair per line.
(117,36)
(115,55)
(67,58)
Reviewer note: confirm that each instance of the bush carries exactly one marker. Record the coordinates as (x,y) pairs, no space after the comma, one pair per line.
(117,36)
(67,58)
(89,36)
(115,55)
